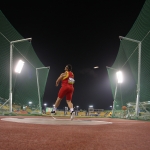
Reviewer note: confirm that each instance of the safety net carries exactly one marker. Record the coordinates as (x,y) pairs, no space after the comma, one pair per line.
(28,86)
(135,65)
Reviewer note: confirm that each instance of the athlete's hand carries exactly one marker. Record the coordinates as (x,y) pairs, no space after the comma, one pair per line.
(57,83)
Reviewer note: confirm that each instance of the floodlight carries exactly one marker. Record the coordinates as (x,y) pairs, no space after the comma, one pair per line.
(96,67)
(119,76)
(19,66)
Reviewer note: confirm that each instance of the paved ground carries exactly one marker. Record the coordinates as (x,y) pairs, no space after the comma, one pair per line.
(40,133)
(56,121)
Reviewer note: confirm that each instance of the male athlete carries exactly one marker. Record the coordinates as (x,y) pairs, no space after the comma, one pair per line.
(67,89)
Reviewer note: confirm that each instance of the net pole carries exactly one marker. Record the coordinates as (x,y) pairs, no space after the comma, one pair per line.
(113,107)
(138,84)
(10,76)
(114,100)
(10,80)
(139,73)
(38,90)
(37,77)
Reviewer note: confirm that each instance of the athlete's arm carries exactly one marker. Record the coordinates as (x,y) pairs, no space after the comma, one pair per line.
(60,78)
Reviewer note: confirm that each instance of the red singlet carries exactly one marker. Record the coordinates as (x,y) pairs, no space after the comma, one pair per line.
(66,88)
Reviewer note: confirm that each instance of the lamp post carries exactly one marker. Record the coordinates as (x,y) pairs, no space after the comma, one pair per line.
(30,103)
(110,107)
(139,72)
(119,80)
(11,61)
(90,109)
(45,106)
(77,110)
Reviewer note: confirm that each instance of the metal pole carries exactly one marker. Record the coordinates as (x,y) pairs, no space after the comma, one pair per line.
(128,39)
(4,103)
(17,41)
(43,67)
(10,80)
(114,100)
(139,73)
(39,86)
(138,83)
(38,91)
(115,92)
(110,68)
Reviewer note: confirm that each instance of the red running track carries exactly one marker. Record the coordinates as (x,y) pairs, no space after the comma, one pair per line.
(120,135)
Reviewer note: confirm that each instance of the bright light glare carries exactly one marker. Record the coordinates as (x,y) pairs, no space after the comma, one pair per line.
(45,104)
(96,67)
(91,106)
(30,102)
(119,76)
(19,66)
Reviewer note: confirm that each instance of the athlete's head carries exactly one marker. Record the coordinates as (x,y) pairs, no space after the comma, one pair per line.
(68,67)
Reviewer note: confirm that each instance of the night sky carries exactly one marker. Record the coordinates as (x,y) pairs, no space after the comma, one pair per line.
(81,33)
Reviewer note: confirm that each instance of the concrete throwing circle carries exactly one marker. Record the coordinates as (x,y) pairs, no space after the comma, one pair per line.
(51,121)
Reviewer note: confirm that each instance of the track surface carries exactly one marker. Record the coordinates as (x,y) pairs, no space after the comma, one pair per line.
(79,134)
(56,121)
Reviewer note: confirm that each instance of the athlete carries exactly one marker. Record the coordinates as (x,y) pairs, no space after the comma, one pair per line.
(67,89)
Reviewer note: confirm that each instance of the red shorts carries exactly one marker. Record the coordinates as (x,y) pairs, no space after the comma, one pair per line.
(66,91)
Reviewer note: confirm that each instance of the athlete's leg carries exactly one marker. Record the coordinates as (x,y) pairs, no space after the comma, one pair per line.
(57,103)
(70,105)
(69,97)
(68,100)
(72,112)
(61,94)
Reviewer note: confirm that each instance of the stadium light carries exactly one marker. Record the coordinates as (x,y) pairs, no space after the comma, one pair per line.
(119,76)
(110,107)
(19,66)
(45,104)
(30,103)
(11,65)
(91,106)
(96,67)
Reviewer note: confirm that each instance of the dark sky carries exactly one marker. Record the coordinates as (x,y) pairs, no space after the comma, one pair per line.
(82,33)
